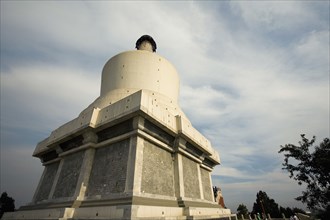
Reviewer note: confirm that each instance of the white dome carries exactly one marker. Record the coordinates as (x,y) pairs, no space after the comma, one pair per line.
(139,69)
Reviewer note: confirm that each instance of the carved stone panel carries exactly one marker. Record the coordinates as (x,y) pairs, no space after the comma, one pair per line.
(157,171)
(69,175)
(190,178)
(108,173)
(47,182)
(208,194)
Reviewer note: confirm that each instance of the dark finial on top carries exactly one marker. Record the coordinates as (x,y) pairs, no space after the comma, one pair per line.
(148,39)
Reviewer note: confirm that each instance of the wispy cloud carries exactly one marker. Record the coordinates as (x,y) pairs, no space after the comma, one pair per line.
(33,94)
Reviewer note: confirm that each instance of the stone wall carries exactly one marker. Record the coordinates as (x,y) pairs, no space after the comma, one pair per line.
(69,175)
(47,182)
(157,171)
(116,168)
(190,178)
(108,173)
(206,183)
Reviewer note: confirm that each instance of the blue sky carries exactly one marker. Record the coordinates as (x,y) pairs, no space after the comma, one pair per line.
(254,76)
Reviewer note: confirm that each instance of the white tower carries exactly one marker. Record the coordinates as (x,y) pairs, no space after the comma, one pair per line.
(131,154)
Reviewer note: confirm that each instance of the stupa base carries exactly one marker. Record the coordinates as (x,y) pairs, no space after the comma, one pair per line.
(121,212)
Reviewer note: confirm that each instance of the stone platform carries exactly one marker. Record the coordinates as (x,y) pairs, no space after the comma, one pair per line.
(139,162)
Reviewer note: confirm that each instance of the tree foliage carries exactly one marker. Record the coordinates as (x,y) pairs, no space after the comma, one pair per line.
(288,212)
(7,204)
(312,168)
(242,210)
(266,205)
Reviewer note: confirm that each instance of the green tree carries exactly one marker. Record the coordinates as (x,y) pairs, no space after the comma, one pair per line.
(286,211)
(7,204)
(312,168)
(265,205)
(242,210)
(298,210)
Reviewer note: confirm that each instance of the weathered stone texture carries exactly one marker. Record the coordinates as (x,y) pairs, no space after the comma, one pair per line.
(47,182)
(190,178)
(69,175)
(73,143)
(158,133)
(108,173)
(206,185)
(115,130)
(157,171)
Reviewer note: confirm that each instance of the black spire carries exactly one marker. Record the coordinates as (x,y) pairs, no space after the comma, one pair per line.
(146,38)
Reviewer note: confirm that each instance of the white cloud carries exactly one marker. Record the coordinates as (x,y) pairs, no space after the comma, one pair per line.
(274,15)
(277,185)
(313,55)
(34,94)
